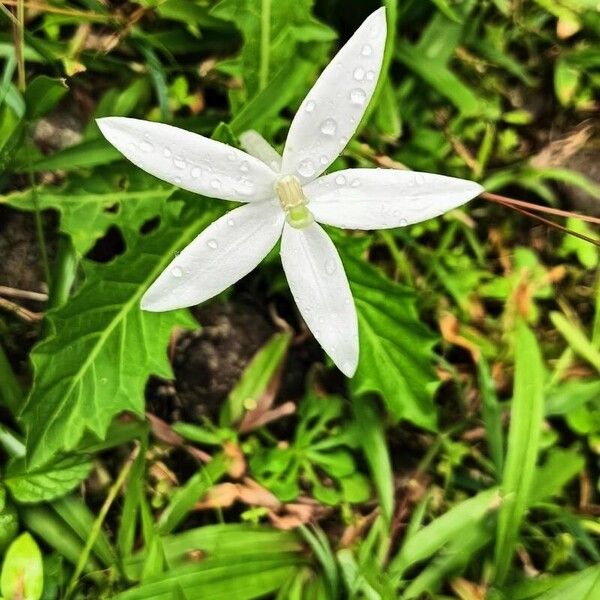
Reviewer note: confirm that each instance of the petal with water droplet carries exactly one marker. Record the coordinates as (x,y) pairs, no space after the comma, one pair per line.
(385,198)
(320,288)
(186,159)
(223,253)
(339,96)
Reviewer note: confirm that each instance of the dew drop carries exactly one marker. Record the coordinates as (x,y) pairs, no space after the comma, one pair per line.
(328,127)
(347,301)
(212,244)
(306,168)
(104,380)
(177,272)
(177,180)
(403,222)
(196,172)
(146,146)
(343,140)
(358,97)
(231,222)
(330,267)
(178,162)
(355,183)
(359,74)
(215,184)
(323,160)
(370,75)
(310,106)
(340,180)
(367,50)
(244,168)
(167,152)
(231,156)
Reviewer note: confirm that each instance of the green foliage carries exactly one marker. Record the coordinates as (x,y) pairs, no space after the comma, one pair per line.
(22,573)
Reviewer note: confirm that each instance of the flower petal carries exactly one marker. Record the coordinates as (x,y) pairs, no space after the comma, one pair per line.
(222,254)
(320,287)
(385,198)
(190,161)
(332,110)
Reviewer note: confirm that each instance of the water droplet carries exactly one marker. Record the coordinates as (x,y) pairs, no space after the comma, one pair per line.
(212,244)
(231,156)
(177,180)
(343,140)
(323,160)
(104,380)
(215,184)
(196,172)
(403,222)
(330,267)
(367,50)
(359,74)
(340,180)
(244,168)
(347,301)
(328,127)
(177,272)
(244,187)
(146,146)
(370,75)
(306,168)
(178,162)
(310,106)
(231,222)
(167,152)
(358,97)
(355,183)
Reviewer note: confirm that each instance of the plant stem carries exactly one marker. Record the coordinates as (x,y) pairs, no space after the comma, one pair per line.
(19,43)
(265,42)
(65,269)
(97,525)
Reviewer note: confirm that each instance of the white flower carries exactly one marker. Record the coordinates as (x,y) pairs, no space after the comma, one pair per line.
(287,197)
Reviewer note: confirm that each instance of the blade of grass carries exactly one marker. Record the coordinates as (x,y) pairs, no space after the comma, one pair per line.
(523,446)
(576,339)
(492,416)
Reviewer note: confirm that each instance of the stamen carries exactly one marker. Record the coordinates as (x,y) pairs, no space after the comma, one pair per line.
(293,201)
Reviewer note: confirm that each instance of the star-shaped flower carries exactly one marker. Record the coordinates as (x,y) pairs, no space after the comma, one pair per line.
(287,196)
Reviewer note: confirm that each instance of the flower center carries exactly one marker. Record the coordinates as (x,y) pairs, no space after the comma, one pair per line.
(293,201)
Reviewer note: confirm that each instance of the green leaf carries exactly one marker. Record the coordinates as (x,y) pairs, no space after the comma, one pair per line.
(523,445)
(255,378)
(576,339)
(395,347)
(43,94)
(47,482)
(22,572)
(101,347)
(9,522)
(583,586)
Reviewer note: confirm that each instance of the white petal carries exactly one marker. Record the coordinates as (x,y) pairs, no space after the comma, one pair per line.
(190,161)
(385,198)
(320,287)
(332,110)
(222,254)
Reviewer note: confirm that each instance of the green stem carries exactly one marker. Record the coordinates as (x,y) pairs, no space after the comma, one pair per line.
(97,525)
(10,390)
(402,265)
(265,42)
(19,44)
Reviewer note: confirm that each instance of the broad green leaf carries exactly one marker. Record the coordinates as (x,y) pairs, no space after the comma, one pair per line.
(90,204)
(46,482)
(582,586)
(101,347)
(395,347)
(43,94)
(22,575)
(523,445)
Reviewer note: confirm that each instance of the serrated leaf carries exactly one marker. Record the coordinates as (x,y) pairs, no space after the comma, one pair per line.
(101,347)
(89,205)
(395,347)
(47,482)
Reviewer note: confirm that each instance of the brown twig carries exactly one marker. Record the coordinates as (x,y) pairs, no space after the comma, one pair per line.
(22,313)
(10,292)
